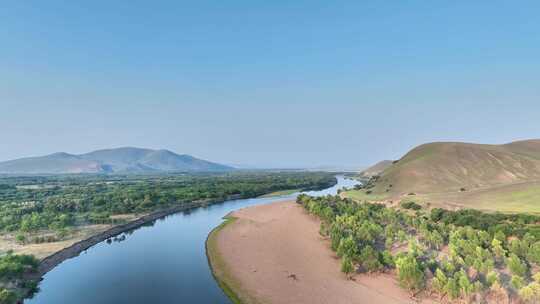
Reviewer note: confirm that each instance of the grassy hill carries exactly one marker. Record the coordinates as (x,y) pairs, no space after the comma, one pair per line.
(376,169)
(491,177)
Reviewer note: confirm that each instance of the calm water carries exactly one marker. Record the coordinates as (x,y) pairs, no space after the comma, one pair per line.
(163,263)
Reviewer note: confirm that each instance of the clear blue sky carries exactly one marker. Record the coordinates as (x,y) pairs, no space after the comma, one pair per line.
(268,83)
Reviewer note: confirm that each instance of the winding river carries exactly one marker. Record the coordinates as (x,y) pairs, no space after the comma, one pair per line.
(160,263)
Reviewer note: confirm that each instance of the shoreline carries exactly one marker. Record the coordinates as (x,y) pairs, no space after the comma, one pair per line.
(217,267)
(50,262)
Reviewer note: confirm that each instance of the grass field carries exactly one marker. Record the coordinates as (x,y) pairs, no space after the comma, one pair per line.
(517,197)
(361,195)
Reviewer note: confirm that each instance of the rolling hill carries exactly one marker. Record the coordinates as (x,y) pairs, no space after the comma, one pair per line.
(123,160)
(376,169)
(495,177)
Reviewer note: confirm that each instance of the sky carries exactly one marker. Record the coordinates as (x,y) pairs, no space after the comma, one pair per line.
(267,83)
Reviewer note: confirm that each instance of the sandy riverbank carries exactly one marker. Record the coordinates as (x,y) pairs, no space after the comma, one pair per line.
(274,254)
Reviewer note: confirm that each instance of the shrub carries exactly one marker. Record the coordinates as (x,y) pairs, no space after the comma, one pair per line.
(410,205)
(410,273)
(347,266)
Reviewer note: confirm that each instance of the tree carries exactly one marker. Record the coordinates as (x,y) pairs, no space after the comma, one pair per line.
(534,253)
(388,259)
(347,247)
(452,288)
(20,239)
(516,266)
(492,277)
(410,273)
(370,259)
(347,266)
(7,296)
(530,293)
(465,286)
(498,250)
(439,282)
(517,282)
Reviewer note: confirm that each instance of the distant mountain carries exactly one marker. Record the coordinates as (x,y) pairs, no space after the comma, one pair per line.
(124,160)
(451,166)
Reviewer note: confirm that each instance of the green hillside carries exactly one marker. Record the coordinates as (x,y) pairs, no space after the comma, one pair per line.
(376,169)
(491,177)
(447,167)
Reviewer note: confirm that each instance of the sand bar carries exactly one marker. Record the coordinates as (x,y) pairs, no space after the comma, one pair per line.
(274,254)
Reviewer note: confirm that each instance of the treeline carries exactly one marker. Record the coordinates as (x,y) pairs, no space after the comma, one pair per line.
(13,286)
(456,255)
(56,203)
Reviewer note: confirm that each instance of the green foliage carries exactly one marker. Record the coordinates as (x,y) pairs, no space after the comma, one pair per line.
(387,259)
(477,251)
(410,205)
(347,247)
(492,277)
(29,204)
(530,293)
(516,266)
(410,273)
(347,265)
(13,266)
(20,238)
(452,288)
(533,253)
(465,286)
(517,282)
(439,282)
(7,296)
(370,259)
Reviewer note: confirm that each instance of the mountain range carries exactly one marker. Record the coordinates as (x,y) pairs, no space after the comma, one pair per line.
(119,160)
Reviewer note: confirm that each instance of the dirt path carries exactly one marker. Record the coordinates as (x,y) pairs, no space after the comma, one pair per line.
(275,253)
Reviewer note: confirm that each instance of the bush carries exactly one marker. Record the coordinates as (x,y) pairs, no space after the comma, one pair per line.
(516,266)
(7,296)
(347,266)
(410,205)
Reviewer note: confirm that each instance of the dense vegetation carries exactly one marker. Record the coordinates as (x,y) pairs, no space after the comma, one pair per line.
(13,286)
(457,255)
(29,204)
(46,208)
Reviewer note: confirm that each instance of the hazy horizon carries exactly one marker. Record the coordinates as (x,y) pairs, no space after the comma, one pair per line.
(279,84)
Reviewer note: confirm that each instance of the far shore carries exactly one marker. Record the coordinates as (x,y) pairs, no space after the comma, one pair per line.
(274,254)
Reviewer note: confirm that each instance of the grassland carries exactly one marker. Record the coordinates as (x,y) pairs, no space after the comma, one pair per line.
(504,178)
(518,197)
(450,166)
(522,197)
(361,195)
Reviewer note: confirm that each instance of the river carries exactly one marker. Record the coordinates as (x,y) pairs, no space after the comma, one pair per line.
(160,263)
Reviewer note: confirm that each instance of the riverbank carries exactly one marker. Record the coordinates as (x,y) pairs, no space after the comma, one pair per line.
(274,254)
(48,263)
(75,248)
(219,269)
